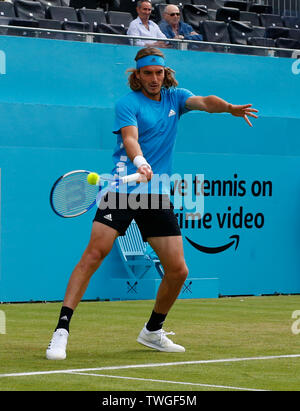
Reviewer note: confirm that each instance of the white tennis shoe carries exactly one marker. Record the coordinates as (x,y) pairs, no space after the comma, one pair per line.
(57,347)
(159,340)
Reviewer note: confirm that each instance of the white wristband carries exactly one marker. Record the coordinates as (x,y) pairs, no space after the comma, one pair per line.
(139,161)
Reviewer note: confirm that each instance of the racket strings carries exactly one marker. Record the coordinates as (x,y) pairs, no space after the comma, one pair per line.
(73,195)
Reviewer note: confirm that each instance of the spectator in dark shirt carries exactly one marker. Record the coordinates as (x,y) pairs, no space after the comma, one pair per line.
(173,28)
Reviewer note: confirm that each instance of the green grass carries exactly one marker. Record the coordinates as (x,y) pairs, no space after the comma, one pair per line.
(104,334)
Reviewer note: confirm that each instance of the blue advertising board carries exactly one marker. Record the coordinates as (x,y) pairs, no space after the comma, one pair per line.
(57,108)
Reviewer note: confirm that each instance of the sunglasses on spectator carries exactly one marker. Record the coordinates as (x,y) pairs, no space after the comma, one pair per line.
(174,14)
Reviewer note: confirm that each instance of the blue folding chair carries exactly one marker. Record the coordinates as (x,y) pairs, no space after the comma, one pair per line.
(133,251)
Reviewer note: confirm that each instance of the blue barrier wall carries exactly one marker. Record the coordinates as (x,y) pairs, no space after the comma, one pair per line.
(56,115)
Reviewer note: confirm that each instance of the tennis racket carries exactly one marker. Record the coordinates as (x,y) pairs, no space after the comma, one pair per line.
(72,195)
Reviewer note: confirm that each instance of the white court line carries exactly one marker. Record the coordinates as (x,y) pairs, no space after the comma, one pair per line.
(166,364)
(167,382)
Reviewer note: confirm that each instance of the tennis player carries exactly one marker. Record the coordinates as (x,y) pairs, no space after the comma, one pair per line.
(146,126)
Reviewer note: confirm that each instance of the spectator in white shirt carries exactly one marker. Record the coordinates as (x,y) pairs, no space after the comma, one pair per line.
(144,27)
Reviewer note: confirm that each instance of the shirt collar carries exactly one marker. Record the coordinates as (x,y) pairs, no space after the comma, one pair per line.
(140,21)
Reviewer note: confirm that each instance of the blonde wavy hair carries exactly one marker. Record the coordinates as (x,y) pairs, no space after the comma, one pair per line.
(134,82)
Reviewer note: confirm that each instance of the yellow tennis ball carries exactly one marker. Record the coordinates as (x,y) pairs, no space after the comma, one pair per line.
(93,178)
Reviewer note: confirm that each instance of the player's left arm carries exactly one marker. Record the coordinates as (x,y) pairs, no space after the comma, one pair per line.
(214,104)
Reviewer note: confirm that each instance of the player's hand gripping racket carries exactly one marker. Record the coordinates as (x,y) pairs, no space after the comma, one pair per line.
(78,191)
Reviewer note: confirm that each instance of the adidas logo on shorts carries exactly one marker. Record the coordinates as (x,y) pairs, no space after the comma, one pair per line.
(108,217)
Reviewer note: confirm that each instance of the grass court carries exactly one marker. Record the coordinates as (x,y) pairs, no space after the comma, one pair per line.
(232,344)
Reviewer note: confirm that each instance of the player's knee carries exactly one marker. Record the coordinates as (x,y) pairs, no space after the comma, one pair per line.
(94,256)
(179,272)
(183,272)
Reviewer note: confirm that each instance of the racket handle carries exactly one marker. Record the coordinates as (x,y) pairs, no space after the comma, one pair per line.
(130,177)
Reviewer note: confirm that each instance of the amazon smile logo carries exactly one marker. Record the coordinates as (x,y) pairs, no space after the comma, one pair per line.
(218,249)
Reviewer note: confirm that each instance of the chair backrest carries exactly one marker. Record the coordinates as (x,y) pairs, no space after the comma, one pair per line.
(261,42)
(93,17)
(89,4)
(29,9)
(241,5)
(132,244)
(260,8)
(62,13)
(294,34)
(215,31)
(119,17)
(276,32)
(7,9)
(227,14)
(258,31)
(239,32)
(193,15)
(268,20)
(286,43)
(47,3)
(248,16)
(291,22)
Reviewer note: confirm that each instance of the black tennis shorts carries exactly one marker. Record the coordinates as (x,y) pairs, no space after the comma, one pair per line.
(153,213)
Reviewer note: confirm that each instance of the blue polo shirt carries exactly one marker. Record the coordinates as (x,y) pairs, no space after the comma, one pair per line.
(184,29)
(157,128)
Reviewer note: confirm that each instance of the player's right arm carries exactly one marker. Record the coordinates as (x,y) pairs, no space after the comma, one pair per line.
(133,149)
(214,104)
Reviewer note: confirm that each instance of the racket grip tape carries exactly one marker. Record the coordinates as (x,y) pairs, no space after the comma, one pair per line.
(130,177)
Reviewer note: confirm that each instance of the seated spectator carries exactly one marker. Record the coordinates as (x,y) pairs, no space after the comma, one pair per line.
(144,27)
(173,28)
